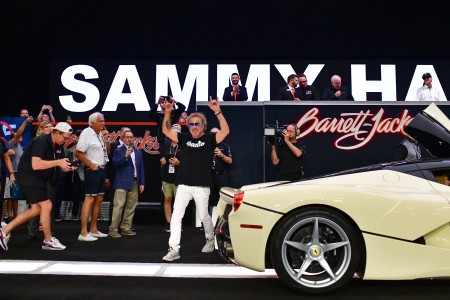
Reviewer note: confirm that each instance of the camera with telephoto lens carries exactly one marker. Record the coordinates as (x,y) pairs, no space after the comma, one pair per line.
(274,133)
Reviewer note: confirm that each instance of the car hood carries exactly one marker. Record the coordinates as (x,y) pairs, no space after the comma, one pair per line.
(431,128)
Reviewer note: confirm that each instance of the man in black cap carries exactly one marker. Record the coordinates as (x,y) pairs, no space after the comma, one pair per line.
(427,92)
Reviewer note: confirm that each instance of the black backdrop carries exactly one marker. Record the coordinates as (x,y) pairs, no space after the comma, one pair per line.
(35,33)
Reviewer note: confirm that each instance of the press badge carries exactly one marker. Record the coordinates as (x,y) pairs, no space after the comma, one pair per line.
(171,169)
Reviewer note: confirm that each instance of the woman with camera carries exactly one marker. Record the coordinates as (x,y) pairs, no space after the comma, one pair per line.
(46,114)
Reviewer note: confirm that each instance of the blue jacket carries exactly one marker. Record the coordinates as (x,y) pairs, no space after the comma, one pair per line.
(124,169)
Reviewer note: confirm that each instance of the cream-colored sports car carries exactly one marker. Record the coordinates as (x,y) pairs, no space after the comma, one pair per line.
(389,221)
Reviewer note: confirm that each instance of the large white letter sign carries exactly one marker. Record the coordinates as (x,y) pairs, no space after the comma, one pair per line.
(136,96)
(387,85)
(89,90)
(258,74)
(196,75)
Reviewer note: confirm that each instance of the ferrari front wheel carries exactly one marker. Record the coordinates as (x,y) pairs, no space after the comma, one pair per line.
(315,251)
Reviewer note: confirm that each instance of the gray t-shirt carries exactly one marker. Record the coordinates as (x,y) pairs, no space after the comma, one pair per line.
(17,147)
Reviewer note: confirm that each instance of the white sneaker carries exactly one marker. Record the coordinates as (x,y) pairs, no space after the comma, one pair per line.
(4,238)
(172,255)
(53,244)
(98,234)
(209,246)
(88,238)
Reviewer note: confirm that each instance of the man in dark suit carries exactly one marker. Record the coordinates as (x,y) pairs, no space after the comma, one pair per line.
(290,91)
(109,171)
(129,181)
(235,92)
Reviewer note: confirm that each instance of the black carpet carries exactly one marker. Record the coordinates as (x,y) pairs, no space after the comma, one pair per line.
(148,246)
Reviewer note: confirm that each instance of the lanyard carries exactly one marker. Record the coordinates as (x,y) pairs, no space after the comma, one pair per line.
(102,144)
(173,150)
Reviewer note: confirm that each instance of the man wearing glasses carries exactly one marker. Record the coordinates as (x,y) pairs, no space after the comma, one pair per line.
(194,173)
(129,182)
(306,92)
(37,167)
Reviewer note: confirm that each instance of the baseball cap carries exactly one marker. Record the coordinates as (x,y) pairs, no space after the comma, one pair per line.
(176,128)
(426,75)
(63,127)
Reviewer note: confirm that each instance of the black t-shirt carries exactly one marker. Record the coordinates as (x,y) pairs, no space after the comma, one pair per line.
(197,154)
(290,166)
(168,151)
(43,147)
(308,93)
(218,164)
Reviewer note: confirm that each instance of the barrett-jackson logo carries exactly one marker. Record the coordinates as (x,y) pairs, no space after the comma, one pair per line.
(147,143)
(358,129)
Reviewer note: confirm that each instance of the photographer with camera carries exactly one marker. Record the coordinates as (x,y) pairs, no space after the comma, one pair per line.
(287,153)
(46,114)
(38,169)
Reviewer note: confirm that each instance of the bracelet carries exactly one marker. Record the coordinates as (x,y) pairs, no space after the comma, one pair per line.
(219,112)
(222,155)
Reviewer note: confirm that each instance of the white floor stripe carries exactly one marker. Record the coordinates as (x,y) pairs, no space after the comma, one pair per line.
(130,269)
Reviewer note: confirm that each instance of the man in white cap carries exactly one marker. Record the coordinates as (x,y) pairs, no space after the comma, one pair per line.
(38,167)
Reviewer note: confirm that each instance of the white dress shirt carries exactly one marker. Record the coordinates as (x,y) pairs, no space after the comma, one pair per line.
(426,93)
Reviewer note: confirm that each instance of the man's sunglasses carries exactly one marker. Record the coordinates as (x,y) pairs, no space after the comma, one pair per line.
(194,124)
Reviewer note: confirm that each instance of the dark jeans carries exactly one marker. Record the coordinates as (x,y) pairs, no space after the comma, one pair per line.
(219,181)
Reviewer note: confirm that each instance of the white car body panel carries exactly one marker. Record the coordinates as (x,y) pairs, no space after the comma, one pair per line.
(379,202)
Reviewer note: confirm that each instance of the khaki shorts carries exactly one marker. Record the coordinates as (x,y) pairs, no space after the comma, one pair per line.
(169,189)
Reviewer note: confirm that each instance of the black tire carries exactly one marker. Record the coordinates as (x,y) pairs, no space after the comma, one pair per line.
(315,251)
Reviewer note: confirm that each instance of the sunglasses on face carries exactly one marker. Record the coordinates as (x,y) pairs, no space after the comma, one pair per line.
(194,125)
